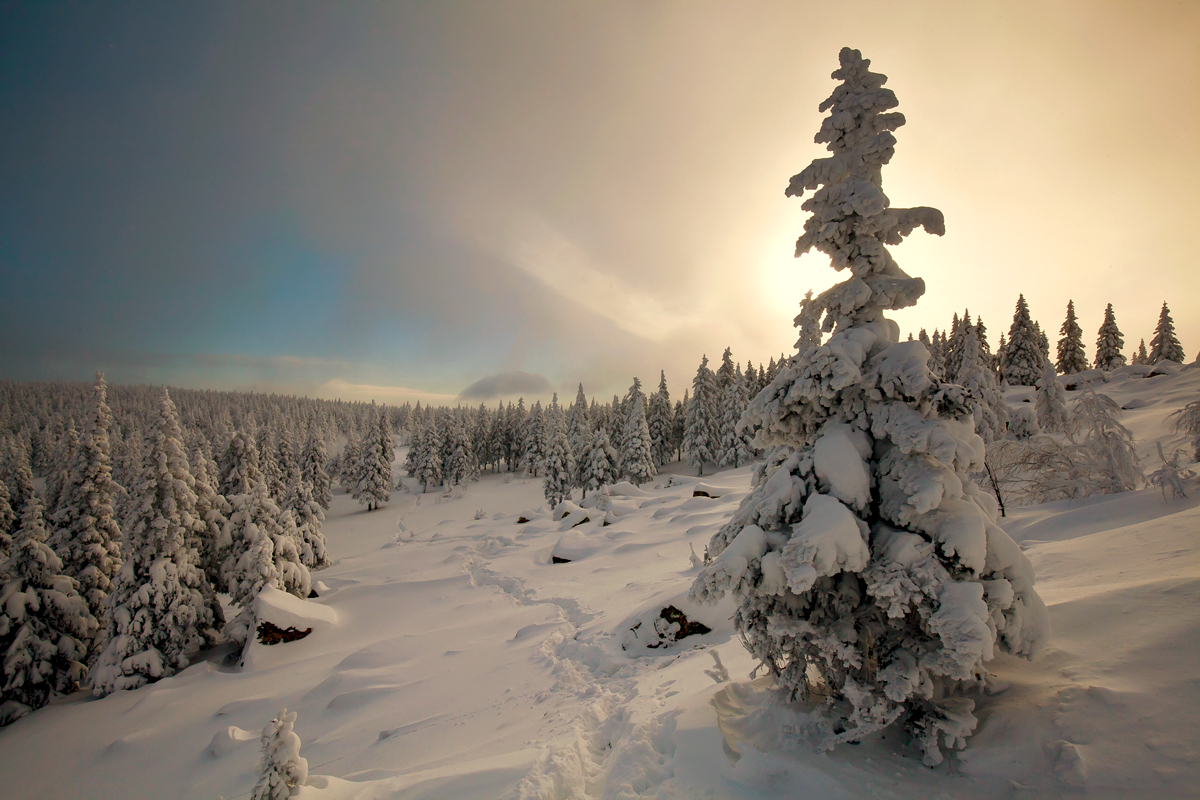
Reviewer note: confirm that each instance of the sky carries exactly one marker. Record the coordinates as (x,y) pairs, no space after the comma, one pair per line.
(463,202)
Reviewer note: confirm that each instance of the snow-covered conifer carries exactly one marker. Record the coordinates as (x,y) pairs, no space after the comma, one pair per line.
(213,509)
(45,625)
(8,520)
(309,517)
(86,535)
(660,423)
(1023,360)
(463,468)
(1051,403)
(313,469)
(679,424)
(373,476)
(602,462)
(239,465)
(579,436)
(1141,356)
(268,462)
(1109,342)
(701,438)
(732,451)
(283,769)
(18,475)
(1165,345)
(430,460)
(159,605)
(560,468)
(986,402)
(264,551)
(867,567)
(725,371)
(1071,357)
(637,458)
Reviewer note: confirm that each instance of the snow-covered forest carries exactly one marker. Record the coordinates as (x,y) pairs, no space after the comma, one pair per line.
(977,564)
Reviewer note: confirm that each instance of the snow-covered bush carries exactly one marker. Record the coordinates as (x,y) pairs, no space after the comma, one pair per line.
(284,771)
(1023,423)
(1170,475)
(1051,403)
(1187,420)
(868,569)
(1107,444)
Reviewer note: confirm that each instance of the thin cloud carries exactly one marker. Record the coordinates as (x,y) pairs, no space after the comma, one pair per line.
(506,384)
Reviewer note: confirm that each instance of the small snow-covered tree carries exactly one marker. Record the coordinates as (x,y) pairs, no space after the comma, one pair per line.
(159,605)
(45,626)
(283,768)
(1114,464)
(1141,356)
(1109,343)
(1051,403)
(1165,345)
(1023,360)
(86,535)
(701,438)
(268,462)
(866,566)
(1071,357)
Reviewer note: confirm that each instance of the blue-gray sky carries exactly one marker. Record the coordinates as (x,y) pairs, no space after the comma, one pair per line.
(422,200)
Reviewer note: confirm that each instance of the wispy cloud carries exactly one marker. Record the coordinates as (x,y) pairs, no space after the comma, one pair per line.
(542,252)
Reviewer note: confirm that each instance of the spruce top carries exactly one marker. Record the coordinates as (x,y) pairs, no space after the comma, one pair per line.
(852,220)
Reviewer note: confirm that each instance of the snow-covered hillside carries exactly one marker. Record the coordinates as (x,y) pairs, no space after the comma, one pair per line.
(454,656)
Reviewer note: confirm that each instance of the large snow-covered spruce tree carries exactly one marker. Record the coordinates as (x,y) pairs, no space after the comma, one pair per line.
(867,566)
(160,608)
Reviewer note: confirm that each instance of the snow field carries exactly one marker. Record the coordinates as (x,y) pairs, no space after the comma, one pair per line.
(452,659)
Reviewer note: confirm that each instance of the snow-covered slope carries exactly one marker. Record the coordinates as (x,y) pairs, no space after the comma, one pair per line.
(451,657)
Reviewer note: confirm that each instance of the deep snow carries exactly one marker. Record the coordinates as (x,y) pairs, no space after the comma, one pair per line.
(451,659)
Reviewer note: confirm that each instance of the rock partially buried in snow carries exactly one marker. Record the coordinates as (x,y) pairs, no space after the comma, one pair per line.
(280,611)
(572,546)
(704,490)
